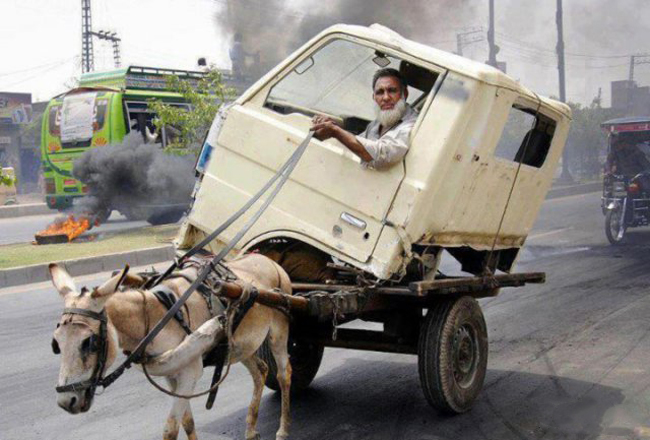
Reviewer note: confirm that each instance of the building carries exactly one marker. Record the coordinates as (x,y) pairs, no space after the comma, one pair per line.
(630,99)
(20,139)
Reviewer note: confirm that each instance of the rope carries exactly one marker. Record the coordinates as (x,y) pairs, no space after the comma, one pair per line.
(283,175)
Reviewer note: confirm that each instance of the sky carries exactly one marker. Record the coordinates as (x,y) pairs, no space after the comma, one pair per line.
(41,39)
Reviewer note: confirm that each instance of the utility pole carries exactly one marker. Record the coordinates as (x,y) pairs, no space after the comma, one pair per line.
(635,60)
(87,54)
(492,60)
(462,41)
(87,34)
(566,174)
(113,38)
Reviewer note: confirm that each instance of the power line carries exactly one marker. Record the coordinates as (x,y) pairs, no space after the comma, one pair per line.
(6,86)
(35,67)
(531,46)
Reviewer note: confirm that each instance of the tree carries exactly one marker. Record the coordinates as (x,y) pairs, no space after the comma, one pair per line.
(586,141)
(204,96)
(6,180)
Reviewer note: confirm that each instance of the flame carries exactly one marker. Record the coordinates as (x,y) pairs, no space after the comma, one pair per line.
(71,227)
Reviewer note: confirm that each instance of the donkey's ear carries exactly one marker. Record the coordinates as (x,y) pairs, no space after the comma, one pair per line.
(110,286)
(61,279)
(133,280)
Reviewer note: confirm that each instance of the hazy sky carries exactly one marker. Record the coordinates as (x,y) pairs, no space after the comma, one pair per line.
(41,40)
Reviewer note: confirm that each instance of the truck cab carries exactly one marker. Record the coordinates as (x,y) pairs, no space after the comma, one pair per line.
(482,156)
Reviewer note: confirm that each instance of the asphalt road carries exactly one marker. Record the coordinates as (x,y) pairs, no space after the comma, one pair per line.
(568,360)
(22,229)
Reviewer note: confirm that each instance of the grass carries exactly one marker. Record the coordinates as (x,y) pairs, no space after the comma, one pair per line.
(23,254)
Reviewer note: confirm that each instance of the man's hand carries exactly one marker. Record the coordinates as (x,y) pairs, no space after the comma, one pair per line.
(324,127)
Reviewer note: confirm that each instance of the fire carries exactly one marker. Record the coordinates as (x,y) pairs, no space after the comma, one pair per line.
(70,227)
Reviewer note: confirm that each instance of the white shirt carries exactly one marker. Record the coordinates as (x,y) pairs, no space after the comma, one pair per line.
(390,147)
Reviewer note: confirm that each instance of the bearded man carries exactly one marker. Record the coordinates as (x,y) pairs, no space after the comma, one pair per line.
(386,140)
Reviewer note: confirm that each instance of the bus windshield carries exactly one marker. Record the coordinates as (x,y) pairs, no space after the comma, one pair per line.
(81,115)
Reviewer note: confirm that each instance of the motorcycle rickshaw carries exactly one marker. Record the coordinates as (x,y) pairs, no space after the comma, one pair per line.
(482,156)
(626,198)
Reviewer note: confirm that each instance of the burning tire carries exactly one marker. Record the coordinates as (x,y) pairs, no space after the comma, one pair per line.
(102,216)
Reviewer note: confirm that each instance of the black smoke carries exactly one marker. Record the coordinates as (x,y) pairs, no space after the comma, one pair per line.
(130,175)
(274,29)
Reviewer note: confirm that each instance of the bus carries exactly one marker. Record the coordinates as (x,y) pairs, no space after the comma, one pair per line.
(100,111)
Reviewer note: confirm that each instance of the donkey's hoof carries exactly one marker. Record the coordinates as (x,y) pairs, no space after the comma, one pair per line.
(254,437)
(281,437)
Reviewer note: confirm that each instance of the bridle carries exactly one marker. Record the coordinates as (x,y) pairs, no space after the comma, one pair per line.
(99,345)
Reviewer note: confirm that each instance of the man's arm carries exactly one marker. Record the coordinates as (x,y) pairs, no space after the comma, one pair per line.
(325,128)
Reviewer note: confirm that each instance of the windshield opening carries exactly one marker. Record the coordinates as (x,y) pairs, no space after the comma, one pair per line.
(336,81)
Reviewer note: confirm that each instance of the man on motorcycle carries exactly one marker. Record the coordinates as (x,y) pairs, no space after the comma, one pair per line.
(626,159)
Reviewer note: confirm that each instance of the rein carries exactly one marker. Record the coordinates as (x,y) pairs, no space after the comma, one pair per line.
(281,176)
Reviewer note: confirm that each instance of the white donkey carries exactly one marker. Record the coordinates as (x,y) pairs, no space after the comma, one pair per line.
(124,313)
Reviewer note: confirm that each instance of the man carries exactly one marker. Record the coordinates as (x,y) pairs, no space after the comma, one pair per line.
(238,56)
(626,159)
(383,143)
(386,140)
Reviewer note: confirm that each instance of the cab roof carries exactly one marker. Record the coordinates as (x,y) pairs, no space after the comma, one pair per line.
(473,69)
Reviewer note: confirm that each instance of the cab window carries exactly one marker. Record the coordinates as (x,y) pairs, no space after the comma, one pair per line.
(336,80)
(526,137)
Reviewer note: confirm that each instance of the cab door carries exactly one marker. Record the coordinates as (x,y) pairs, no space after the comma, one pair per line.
(331,200)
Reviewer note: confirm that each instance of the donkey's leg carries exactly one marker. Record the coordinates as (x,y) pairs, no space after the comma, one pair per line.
(188,423)
(171,425)
(183,383)
(258,371)
(278,338)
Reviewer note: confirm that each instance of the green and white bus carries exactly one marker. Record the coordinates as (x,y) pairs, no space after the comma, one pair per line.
(100,111)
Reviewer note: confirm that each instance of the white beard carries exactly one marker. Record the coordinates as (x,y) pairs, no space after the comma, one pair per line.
(388,118)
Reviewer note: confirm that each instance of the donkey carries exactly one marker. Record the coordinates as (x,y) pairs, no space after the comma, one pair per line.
(125,310)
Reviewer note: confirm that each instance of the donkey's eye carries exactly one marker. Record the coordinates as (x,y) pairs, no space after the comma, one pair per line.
(87,345)
(55,347)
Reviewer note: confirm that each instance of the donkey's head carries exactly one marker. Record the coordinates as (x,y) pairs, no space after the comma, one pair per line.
(82,338)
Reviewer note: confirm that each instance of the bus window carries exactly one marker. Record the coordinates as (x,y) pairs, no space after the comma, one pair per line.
(54,121)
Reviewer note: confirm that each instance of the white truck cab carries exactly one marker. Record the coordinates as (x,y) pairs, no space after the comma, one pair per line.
(482,156)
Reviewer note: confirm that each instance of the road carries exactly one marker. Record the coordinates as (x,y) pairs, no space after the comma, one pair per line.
(568,360)
(22,229)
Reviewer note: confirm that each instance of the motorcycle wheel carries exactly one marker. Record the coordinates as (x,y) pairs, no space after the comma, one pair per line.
(615,227)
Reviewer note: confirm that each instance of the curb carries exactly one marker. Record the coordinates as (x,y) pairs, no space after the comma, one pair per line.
(24,210)
(573,190)
(85,266)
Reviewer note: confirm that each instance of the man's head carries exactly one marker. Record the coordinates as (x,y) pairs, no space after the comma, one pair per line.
(389,93)
(621,142)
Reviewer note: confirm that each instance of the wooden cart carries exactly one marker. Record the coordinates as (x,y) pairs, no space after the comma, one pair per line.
(440,321)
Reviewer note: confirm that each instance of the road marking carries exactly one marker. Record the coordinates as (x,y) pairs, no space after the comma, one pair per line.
(545,234)
(575,196)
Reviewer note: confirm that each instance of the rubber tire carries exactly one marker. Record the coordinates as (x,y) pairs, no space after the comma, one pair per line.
(305,363)
(104,215)
(435,349)
(608,230)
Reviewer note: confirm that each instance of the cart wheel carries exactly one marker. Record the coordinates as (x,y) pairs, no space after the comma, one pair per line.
(452,354)
(305,359)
